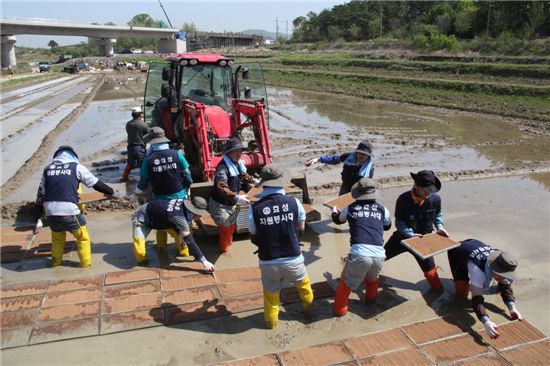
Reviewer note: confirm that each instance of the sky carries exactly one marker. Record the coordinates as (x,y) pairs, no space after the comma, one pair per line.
(215,16)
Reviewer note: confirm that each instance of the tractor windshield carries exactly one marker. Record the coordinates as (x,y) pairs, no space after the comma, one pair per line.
(209,84)
(153,99)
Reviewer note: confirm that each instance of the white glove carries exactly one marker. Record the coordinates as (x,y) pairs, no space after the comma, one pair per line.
(256,181)
(514,313)
(242,199)
(441,231)
(38,226)
(116,194)
(310,162)
(491,329)
(208,267)
(335,209)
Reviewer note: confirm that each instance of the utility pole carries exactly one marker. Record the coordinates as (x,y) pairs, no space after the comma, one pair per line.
(286,34)
(488,16)
(276,30)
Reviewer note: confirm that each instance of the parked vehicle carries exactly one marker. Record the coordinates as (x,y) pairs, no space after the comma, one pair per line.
(44,66)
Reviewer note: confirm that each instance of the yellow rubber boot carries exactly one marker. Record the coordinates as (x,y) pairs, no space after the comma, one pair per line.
(271,309)
(183,250)
(83,246)
(162,240)
(306,295)
(82,206)
(139,249)
(58,247)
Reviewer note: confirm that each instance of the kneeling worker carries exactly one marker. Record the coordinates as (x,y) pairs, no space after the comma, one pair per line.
(161,214)
(477,262)
(275,223)
(58,197)
(367,222)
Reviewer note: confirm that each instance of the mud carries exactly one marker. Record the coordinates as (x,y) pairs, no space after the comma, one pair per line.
(496,182)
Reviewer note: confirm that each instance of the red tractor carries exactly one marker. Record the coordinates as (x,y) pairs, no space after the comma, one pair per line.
(201,101)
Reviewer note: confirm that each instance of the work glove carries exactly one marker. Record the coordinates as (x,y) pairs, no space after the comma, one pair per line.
(310,162)
(242,199)
(38,226)
(441,231)
(514,313)
(208,267)
(335,210)
(491,329)
(256,181)
(116,194)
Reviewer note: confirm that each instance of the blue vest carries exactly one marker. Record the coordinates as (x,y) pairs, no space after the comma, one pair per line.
(419,218)
(366,222)
(277,226)
(476,251)
(234,183)
(159,211)
(165,172)
(61,182)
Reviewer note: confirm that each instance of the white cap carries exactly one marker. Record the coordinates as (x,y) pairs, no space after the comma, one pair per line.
(136,110)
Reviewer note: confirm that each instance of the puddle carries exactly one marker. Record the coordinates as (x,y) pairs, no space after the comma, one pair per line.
(15,153)
(20,120)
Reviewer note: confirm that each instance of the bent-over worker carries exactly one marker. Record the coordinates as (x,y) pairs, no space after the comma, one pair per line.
(169,215)
(477,262)
(230,176)
(368,220)
(357,165)
(58,197)
(275,223)
(416,213)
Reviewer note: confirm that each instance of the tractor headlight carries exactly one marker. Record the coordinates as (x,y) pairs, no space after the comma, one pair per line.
(223,63)
(230,62)
(184,62)
(193,62)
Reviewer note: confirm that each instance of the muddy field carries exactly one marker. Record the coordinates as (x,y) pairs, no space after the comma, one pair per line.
(496,183)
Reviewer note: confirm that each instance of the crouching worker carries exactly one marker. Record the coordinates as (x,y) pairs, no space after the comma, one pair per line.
(367,222)
(171,214)
(477,262)
(275,223)
(58,197)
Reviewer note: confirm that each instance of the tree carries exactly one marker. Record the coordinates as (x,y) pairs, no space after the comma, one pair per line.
(189,28)
(143,20)
(53,44)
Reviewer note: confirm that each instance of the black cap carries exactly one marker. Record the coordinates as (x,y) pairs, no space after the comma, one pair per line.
(427,180)
(234,143)
(364,147)
(65,147)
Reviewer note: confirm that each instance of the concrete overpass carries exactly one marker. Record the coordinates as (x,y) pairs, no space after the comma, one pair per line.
(104,33)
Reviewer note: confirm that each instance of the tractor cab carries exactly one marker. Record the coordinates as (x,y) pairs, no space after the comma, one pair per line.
(201,101)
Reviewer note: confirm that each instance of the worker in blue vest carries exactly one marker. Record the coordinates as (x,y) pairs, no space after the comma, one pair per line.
(58,197)
(230,178)
(275,223)
(167,171)
(357,165)
(368,220)
(161,214)
(474,266)
(417,212)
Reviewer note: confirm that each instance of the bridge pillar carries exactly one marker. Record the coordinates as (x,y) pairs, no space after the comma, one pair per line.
(106,46)
(171,46)
(8,51)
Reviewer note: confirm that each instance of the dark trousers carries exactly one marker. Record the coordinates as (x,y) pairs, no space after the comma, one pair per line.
(458,261)
(136,153)
(394,247)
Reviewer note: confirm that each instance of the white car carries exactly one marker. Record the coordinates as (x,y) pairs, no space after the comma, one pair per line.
(148,52)
(136,51)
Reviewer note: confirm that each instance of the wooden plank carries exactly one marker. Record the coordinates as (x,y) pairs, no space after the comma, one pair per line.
(341,201)
(88,197)
(428,245)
